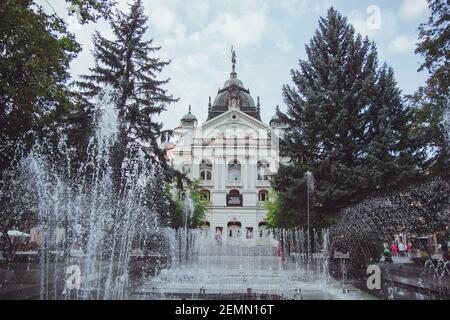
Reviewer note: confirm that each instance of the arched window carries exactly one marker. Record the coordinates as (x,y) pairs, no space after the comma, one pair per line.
(206,194)
(234,170)
(263,230)
(263,195)
(234,198)
(205,226)
(263,170)
(205,170)
(234,229)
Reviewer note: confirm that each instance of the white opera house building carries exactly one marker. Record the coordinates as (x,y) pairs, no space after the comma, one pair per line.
(234,155)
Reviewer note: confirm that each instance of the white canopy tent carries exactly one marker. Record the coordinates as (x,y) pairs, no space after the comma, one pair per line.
(17,233)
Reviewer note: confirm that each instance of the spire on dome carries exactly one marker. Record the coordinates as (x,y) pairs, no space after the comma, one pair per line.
(189,117)
(233,61)
(233,93)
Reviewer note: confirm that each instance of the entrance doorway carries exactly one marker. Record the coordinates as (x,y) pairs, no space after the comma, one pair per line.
(234,230)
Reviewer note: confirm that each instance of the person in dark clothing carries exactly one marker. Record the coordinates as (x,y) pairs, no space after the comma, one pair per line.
(387,255)
(444,249)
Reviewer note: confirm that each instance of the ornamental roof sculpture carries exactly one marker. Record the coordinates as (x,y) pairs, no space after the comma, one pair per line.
(233,95)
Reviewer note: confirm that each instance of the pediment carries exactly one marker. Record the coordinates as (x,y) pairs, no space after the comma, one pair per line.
(234,118)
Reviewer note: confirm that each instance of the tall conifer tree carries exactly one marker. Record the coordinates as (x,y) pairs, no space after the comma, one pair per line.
(347,125)
(128,65)
(431,102)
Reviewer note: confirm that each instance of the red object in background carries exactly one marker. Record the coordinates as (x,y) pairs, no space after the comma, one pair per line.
(278,251)
(394,250)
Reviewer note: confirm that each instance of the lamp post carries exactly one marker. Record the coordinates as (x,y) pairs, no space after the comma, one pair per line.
(309,188)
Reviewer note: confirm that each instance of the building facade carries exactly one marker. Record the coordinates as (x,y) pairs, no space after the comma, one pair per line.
(234,155)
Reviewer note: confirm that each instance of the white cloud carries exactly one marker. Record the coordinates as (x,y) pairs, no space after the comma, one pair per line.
(284,44)
(295,7)
(269,36)
(162,18)
(402,45)
(243,30)
(240,30)
(413,9)
(388,24)
(358,20)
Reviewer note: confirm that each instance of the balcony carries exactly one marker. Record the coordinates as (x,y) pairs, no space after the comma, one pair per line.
(263,183)
(233,183)
(234,200)
(206,183)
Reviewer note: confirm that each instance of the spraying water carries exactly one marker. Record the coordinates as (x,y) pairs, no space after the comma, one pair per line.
(98,227)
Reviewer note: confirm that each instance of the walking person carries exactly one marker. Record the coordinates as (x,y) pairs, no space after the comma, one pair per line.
(402,249)
(387,254)
(394,249)
(408,249)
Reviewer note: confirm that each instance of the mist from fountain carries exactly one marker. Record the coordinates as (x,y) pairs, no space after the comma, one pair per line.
(212,269)
(100,226)
(418,210)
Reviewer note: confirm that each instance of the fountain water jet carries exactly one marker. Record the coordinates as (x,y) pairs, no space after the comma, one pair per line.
(100,225)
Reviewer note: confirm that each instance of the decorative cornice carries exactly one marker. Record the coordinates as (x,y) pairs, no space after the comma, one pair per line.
(251,119)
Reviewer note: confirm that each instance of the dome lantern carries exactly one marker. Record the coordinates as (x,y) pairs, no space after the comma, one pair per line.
(188,119)
(233,95)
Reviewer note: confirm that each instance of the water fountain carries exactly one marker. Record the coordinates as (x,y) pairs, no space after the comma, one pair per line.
(205,268)
(106,232)
(100,227)
(363,230)
(213,270)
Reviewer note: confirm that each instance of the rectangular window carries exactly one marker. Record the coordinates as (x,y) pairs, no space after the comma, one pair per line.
(249,233)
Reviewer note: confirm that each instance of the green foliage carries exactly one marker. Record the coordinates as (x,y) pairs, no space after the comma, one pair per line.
(199,206)
(128,65)
(36,52)
(200,203)
(92,10)
(430,133)
(36,104)
(273,206)
(347,125)
(430,103)
(434,44)
(178,216)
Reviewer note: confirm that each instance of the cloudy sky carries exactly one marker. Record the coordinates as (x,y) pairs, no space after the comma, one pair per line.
(269,37)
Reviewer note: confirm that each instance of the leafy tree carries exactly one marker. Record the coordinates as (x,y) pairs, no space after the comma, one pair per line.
(36,51)
(92,10)
(434,45)
(273,206)
(430,103)
(347,125)
(36,104)
(178,215)
(431,133)
(199,201)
